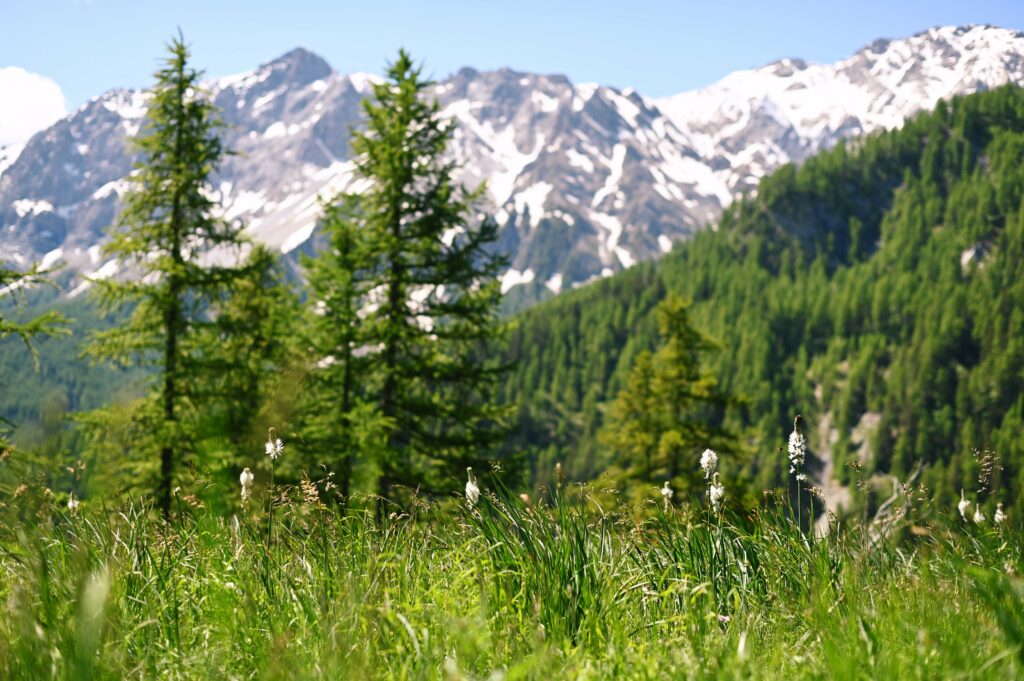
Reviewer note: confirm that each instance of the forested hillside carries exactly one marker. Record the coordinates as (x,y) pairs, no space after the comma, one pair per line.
(878,289)
(61,381)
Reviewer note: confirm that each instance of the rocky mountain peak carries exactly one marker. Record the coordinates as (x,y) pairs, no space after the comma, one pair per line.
(300,66)
(584,179)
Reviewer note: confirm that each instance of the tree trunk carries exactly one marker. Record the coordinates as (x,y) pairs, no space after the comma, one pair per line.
(171,318)
(395,321)
(346,408)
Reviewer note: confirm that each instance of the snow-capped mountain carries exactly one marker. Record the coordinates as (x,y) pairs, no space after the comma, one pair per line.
(585,179)
(751,122)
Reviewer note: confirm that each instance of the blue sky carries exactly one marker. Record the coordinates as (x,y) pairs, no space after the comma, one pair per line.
(656,46)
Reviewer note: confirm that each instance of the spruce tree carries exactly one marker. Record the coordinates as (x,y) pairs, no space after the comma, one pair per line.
(171,247)
(339,420)
(430,308)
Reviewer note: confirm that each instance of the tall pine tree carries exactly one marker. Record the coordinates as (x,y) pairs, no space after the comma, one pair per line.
(172,246)
(431,291)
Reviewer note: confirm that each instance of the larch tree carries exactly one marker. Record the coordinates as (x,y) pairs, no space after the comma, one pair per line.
(688,394)
(245,364)
(13,283)
(178,256)
(636,423)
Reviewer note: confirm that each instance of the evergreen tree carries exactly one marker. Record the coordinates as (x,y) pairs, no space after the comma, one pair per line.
(671,407)
(171,244)
(339,423)
(432,290)
(687,393)
(245,360)
(634,428)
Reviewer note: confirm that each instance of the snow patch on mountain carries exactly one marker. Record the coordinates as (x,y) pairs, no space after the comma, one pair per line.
(25,207)
(513,278)
(8,155)
(611,183)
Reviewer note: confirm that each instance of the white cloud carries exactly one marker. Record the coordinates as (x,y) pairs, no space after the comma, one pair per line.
(31,102)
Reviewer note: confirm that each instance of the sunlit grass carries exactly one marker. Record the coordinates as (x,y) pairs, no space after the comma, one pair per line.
(559,588)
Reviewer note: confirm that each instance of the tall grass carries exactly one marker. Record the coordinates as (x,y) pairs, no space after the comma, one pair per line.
(507,589)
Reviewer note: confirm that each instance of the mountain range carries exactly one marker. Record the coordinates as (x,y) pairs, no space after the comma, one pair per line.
(585,180)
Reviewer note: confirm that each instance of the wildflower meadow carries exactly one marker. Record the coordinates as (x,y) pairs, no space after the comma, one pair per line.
(562,582)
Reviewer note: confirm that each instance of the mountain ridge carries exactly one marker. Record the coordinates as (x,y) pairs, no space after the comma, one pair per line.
(585,180)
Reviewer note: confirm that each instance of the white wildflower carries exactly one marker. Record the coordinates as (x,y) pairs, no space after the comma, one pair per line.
(716,493)
(246,478)
(708,462)
(797,450)
(72,503)
(472,491)
(963,505)
(666,494)
(999,518)
(979,517)
(274,447)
